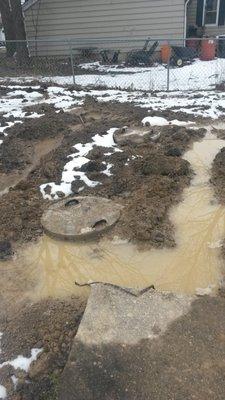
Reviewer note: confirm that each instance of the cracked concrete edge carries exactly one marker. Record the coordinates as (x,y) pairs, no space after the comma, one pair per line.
(115,315)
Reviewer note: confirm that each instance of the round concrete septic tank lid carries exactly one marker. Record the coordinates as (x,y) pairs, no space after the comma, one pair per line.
(79,218)
(129,135)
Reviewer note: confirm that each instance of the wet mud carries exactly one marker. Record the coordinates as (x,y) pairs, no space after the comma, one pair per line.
(159,186)
(147,187)
(191,264)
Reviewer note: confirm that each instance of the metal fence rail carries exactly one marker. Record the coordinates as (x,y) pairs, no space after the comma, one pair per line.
(129,64)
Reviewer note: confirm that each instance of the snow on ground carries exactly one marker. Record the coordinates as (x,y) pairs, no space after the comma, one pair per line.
(205,103)
(159,121)
(12,104)
(197,76)
(200,75)
(71,171)
(22,362)
(3,392)
(202,103)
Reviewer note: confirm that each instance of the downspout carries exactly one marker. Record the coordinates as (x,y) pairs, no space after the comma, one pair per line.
(185,20)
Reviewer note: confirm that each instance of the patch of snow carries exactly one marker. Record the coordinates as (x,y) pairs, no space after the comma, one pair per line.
(22,362)
(107,170)
(27,95)
(205,291)
(154,121)
(3,392)
(9,125)
(206,104)
(181,123)
(159,121)
(14,381)
(106,140)
(3,128)
(34,115)
(71,171)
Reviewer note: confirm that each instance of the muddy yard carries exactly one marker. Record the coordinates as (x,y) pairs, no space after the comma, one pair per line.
(51,149)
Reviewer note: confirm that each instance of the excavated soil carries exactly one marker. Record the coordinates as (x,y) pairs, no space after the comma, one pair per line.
(218,182)
(218,175)
(148,186)
(151,183)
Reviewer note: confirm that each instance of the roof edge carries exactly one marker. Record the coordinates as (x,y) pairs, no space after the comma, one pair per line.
(28,4)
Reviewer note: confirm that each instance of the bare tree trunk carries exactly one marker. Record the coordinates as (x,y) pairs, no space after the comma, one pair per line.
(20,33)
(8,25)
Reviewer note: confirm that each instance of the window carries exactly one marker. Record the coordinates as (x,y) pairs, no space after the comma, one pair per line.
(211,12)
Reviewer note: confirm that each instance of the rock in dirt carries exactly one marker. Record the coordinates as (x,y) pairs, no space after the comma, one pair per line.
(93,166)
(131,136)
(6,250)
(174,152)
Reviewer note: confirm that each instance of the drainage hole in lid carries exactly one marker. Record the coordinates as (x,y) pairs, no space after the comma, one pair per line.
(98,225)
(72,202)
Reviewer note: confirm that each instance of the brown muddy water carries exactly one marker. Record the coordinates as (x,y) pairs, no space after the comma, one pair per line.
(195,263)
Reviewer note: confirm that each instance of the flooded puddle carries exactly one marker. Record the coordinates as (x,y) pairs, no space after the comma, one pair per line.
(194,263)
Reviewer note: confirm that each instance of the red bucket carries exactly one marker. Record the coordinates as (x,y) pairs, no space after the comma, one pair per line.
(208,50)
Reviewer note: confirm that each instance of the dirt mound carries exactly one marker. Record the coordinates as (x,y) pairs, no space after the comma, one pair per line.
(218,175)
(47,126)
(147,186)
(179,136)
(39,108)
(93,166)
(17,149)
(21,210)
(159,164)
(13,155)
(149,169)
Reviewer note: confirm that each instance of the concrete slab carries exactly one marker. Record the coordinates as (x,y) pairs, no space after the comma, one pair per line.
(115,319)
(80,217)
(116,316)
(133,136)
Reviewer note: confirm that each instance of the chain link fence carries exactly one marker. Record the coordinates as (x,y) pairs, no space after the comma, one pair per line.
(151,65)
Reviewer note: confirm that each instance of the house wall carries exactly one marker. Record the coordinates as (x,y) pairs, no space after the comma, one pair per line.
(209,30)
(138,19)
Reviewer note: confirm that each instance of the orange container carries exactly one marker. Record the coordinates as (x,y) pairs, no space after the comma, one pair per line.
(208,50)
(165,53)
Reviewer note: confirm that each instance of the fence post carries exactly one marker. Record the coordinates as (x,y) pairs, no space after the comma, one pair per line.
(71,61)
(168,75)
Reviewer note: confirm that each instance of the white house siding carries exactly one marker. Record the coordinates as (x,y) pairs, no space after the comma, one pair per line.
(209,30)
(58,20)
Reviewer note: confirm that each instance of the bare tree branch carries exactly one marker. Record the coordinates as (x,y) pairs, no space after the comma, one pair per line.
(8,25)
